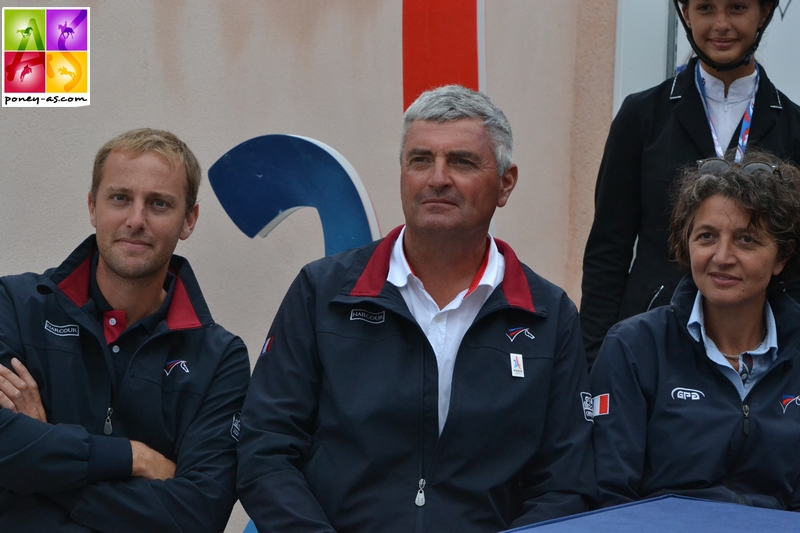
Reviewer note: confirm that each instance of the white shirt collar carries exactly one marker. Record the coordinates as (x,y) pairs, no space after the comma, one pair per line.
(400,271)
(741,88)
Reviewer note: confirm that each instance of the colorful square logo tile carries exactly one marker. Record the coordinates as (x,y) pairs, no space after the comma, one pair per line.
(67,29)
(45,57)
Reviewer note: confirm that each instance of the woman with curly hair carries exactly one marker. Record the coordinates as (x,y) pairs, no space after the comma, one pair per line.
(702,397)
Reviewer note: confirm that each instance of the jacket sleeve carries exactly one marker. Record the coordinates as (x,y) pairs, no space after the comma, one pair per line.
(201,495)
(38,457)
(617,217)
(620,436)
(278,420)
(559,480)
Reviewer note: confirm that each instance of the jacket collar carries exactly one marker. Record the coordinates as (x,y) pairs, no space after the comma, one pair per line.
(690,113)
(515,285)
(187,308)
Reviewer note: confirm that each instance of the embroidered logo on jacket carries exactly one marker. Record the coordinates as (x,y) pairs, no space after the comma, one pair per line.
(588,409)
(680,393)
(600,404)
(787,400)
(236,426)
(177,362)
(367,316)
(513,332)
(70,330)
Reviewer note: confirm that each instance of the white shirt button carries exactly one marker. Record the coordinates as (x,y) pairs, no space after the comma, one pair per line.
(112,321)
(115,349)
(437,318)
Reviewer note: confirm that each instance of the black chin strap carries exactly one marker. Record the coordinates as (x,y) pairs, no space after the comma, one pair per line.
(722,67)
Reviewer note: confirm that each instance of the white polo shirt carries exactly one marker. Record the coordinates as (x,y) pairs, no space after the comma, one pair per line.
(445,327)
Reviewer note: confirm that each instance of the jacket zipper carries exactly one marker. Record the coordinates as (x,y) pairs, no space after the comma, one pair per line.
(419,501)
(746,424)
(655,295)
(107,428)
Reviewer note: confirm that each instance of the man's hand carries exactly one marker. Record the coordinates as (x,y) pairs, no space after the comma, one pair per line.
(19,392)
(150,464)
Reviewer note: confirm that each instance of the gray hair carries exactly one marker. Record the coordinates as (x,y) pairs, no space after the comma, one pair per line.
(454,102)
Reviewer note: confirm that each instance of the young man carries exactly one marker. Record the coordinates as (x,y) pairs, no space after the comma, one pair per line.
(119,395)
(428,381)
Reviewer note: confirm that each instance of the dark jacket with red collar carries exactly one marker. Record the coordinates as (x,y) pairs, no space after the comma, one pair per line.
(340,427)
(655,134)
(180,395)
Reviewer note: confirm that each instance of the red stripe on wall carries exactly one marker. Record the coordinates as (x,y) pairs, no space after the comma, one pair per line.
(440,45)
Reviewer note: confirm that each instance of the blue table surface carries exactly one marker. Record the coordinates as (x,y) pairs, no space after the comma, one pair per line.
(669,514)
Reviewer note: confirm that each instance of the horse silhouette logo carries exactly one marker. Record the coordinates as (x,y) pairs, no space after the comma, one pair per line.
(177,362)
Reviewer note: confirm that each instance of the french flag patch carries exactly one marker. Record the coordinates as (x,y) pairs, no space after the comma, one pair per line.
(267,345)
(600,404)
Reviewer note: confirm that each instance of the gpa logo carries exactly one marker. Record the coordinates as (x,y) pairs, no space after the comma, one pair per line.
(177,362)
(513,332)
(787,400)
(680,393)
(588,409)
(70,330)
(236,426)
(367,316)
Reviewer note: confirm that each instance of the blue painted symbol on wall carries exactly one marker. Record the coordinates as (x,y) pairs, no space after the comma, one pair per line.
(263,180)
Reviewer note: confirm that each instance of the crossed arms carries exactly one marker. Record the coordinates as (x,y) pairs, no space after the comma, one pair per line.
(19,393)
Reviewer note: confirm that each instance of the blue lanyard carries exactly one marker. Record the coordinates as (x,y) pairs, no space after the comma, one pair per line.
(744,134)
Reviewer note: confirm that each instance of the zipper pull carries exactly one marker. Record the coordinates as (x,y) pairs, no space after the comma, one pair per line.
(420,499)
(107,429)
(746,411)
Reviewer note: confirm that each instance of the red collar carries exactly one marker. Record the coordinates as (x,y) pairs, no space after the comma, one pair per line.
(181,314)
(515,284)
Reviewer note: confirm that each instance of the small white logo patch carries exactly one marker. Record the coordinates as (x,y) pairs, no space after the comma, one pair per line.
(367,316)
(70,330)
(588,406)
(236,426)
(517,370)
(679,393)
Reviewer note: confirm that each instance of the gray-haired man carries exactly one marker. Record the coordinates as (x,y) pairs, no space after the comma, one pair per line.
(428,381)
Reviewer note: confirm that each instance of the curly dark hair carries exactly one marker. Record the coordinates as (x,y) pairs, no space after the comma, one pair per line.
(772,199)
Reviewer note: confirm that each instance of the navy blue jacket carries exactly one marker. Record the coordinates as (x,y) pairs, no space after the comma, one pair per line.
(66,475)
(340,424)
(677,425)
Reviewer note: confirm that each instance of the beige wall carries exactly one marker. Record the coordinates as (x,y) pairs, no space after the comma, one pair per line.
(220,72)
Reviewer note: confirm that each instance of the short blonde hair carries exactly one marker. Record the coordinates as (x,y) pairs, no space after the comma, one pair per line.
(143,140)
